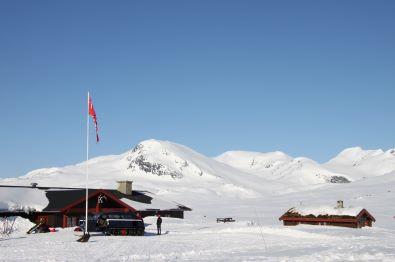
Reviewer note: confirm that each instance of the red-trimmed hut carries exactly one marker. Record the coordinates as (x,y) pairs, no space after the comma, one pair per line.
(353,217)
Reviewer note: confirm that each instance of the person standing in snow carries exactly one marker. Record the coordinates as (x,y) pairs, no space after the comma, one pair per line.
(159,224)
(100,223)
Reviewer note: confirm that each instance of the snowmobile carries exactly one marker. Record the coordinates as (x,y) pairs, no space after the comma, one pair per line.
(124,227)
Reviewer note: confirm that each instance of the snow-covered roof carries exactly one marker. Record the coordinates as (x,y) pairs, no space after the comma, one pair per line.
(21,198)
(326,210)
(14,198)
(155,204)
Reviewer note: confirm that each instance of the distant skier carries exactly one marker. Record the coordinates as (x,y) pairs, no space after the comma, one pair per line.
(159,224)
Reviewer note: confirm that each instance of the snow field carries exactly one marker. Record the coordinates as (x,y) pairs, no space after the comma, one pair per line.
(194,240)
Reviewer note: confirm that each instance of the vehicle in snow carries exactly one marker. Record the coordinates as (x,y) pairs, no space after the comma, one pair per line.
(115,224)
(123,227)
(225,219)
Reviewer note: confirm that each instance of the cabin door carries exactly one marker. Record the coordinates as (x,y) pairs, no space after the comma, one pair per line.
(363,222)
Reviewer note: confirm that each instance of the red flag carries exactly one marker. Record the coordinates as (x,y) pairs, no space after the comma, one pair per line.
(92,113)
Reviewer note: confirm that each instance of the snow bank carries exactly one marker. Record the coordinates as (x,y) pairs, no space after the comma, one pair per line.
(15,225)
(22,225)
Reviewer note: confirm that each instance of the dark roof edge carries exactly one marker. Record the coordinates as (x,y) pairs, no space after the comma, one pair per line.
(41,187)
(55,187)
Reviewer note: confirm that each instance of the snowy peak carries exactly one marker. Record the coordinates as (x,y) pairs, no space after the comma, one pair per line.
(162,158)
(359,163)
(281,167)
(357,154)
(253,160)
(162,161)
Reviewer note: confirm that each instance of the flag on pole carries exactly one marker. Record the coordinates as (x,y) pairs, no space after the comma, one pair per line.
(92,113)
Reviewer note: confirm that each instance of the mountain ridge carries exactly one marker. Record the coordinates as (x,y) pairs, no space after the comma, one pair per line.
(164,166)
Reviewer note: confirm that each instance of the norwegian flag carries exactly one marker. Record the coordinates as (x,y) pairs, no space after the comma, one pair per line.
(92,113)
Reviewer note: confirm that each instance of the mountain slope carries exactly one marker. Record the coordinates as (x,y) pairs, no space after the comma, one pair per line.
(178,172)
(358,163)
(158,166)
(277,166)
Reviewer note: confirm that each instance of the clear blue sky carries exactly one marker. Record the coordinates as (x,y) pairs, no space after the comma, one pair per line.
(305,77)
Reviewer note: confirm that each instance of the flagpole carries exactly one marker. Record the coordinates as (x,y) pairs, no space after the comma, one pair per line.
(87,168)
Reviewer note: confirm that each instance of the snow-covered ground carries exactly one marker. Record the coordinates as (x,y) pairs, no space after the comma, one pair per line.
(205,240)
(253,188)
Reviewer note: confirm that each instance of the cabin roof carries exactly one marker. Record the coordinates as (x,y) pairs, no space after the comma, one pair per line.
(53,199)
(58,199)
(326,212)
(23,199)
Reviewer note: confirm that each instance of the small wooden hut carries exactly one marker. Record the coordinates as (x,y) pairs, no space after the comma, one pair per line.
(339,216)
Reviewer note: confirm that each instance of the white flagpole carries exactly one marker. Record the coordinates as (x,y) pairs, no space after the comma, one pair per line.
(87,169)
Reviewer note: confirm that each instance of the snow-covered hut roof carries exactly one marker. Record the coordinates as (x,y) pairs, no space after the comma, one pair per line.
(155,203)
(22,198)
(325,211)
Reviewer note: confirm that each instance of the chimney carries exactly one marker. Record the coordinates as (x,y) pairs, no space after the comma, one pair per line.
(340,204)
(33,185)
(125,187)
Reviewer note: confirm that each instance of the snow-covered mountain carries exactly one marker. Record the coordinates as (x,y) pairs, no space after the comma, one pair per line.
(281,167)
(163,166)
(358,163)
(154,163)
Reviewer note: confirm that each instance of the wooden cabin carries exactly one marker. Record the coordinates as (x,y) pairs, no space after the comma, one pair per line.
(64,207)
(328,216)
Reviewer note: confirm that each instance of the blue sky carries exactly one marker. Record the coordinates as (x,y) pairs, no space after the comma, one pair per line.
(305,77)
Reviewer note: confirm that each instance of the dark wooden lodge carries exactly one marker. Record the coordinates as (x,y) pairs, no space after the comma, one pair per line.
(66,206)
(359,219)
